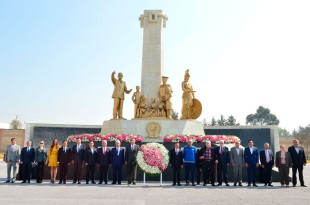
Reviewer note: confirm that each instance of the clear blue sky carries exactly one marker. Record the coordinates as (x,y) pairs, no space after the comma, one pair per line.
(56,57)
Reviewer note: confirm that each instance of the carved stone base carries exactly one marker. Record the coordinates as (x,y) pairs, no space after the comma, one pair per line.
(153,130)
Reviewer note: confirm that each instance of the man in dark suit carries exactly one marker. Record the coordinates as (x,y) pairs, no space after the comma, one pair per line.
(267,161)
(90,162)
(251,162)
(77,160)
(130,161)
(104,157)
(117,159)
(27,158)
(176,161)
(222,160)
(206,154)
(198,168)
(64,158)
(299,160)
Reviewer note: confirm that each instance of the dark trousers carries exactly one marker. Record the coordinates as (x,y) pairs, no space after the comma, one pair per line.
(301,178)
(40,171)
(222,173)
(208,171)
(63,170)
(251,174)
(189,168)
(267,172)
(26,172)
(103,176)
(176,174)
(198,172)
(131,172)
(284,172)
(117,173)
(90,172)
(78,164)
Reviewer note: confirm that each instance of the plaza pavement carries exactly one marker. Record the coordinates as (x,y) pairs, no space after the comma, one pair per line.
(151,193)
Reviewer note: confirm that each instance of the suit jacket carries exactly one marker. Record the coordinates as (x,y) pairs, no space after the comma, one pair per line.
(224,157)
(91,157)
(104,159)
(12,153)
(130,154)
(117,159)
(119,88)
(288,159)
(237,160)
(176,160)
(78,156)
(297,159)
(202,152)
(27,157)
(40,155)
(251,159)
(262,157)
(64,157)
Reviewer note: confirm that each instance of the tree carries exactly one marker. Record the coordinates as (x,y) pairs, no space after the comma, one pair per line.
(204,122)
(262,117)
(175,115)
(222,121)
(303,134)
(231,121)
(283,132)
(16,124)
(213,122)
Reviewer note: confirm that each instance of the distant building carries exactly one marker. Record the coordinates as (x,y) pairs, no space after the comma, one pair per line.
(7,134)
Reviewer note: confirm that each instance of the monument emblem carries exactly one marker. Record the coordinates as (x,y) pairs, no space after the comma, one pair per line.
(153,129)
(153,104)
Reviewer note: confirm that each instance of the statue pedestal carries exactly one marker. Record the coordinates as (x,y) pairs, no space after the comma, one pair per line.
(151,129)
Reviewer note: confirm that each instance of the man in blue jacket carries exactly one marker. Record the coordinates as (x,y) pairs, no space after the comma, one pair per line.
(251,162)
(189,156)
(117,159)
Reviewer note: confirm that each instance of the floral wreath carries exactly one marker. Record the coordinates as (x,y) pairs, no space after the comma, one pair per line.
(107,137)
(228,139)
(152,158)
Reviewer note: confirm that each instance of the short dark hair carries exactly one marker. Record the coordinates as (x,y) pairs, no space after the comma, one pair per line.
(64,141)
(13,139)
(250,141)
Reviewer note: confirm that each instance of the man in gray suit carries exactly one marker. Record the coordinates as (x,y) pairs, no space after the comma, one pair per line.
(237,162)
(12,155)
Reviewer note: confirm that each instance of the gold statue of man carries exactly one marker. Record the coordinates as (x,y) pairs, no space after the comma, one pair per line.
(118,95)
(187,97)
(165,94)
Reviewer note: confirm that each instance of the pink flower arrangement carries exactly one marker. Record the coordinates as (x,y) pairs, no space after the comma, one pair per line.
(153,157)
(197,138)
(108,137)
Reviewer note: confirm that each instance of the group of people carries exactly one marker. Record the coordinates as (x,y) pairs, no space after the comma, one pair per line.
(208,158)
(60,157)
(203,160)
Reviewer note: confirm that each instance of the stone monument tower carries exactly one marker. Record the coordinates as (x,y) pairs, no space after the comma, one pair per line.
(152,22)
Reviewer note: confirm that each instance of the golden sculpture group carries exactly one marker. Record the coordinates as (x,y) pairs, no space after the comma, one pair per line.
(191,107)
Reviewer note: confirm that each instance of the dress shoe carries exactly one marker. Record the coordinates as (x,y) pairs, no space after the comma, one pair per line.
(204,184)
(73,182)
(219,185)
(249,184)
(23,182)
(113,183)
(270,185)
(13,181)
(119,183)
(28,182)
(129,183)
(235,184)
(79,182)
(173,184)
(187,184)
(179,185)
(255,185)
(303,185)
(294,185)
(133,183)
(65,182)
(7,181)
(86,182)
(100,183)
(93,182)
(105,182)
(213,184)
(227,184)
(60,182)
(198,183)
(240,184)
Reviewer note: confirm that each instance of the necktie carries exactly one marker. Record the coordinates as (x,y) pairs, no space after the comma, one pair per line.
(132,148)
(64,149)
(12,147)
(176,151)
(104,150)
(92,151)
(267,156)
(221,150)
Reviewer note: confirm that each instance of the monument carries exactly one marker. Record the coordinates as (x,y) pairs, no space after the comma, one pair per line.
(153,105)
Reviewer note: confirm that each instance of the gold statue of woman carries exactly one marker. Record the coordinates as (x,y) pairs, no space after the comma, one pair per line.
(187,97)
